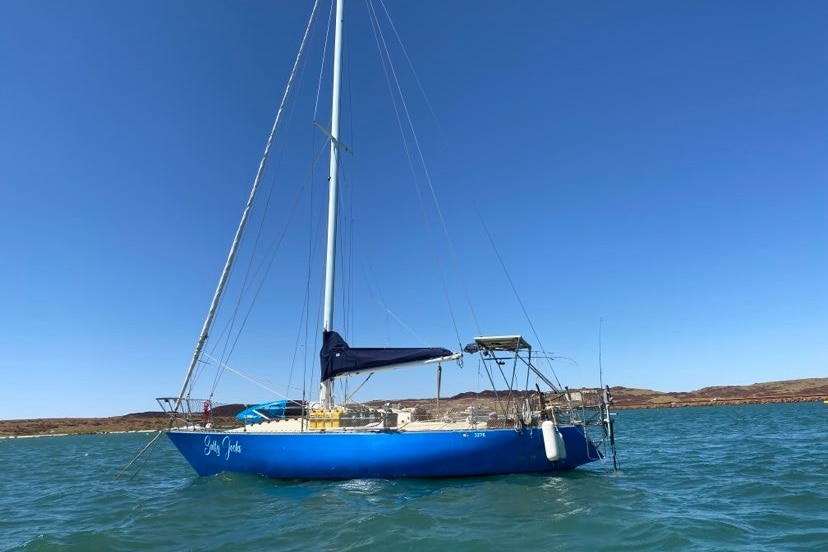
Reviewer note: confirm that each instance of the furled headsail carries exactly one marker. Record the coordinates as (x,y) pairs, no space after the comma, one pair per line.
(339,359)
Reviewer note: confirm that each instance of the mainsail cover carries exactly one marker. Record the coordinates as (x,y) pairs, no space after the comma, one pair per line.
(337,358)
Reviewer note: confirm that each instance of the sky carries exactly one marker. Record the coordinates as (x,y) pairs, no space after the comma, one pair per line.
(651,171)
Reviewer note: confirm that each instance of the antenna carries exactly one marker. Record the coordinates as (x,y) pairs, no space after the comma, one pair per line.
(609,423)
(600,364)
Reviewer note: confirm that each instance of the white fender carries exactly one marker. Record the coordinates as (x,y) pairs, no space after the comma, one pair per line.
(551,445)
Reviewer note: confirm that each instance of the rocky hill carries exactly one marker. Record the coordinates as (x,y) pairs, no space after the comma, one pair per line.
(776,391)
(814,389)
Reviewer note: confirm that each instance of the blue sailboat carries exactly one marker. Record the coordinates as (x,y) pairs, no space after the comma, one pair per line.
(524,431)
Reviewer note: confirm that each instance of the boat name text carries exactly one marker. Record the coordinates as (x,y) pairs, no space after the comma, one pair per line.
(223,448)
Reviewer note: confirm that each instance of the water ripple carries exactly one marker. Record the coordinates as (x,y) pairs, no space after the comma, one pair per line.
(718,478)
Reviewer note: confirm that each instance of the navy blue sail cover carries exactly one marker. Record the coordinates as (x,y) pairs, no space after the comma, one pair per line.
(338,358)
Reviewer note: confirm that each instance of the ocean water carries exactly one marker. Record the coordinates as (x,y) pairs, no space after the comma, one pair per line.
(706,478)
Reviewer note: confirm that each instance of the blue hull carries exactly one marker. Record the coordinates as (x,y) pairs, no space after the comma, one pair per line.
(390,454)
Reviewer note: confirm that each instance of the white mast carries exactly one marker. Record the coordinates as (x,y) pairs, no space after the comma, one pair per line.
(326,391)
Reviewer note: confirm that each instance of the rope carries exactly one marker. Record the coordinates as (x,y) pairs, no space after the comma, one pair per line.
(514,289)
(225,275)
(137,456)
(449,242)
(396,90)
(324,57)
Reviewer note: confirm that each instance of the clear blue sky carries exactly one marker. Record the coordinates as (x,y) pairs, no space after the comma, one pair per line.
(660,165)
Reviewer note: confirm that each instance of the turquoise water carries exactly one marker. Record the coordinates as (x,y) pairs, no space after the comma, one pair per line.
(707,478)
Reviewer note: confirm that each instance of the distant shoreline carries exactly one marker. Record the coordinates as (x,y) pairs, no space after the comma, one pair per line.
(48,427)
(624,399)
(720,402)
(38,435)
